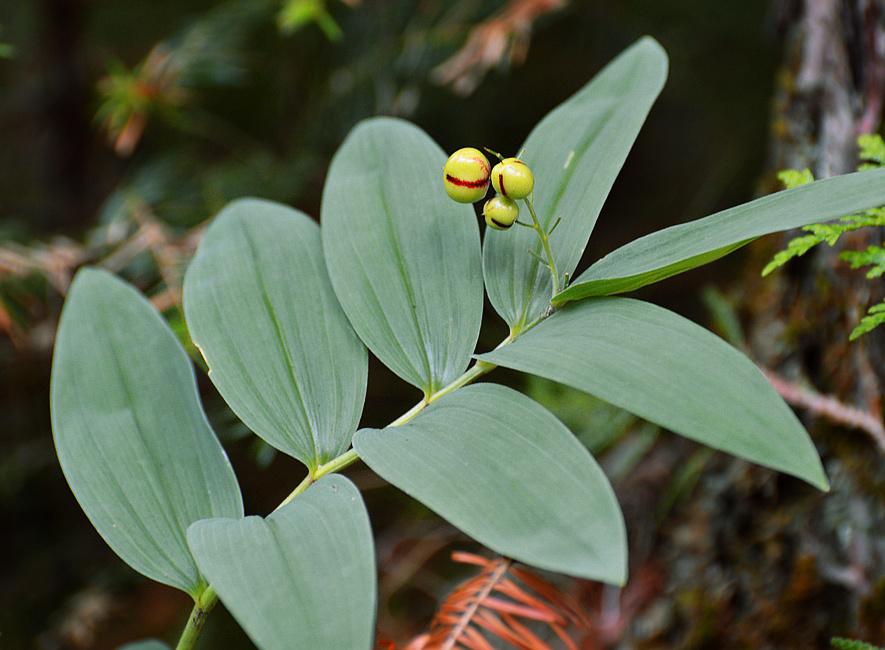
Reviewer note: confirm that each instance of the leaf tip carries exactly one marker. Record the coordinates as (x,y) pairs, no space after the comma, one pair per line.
(656,50)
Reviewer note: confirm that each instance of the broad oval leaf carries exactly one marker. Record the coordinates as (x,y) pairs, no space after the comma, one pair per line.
(670,371)
(403,257)
(503,469)
(131,436)
(685,246)
(304,577)
(260,307)
(575,153)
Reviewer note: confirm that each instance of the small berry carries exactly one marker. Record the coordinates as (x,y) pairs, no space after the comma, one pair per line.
(466,175)
(500,212)
(512,178)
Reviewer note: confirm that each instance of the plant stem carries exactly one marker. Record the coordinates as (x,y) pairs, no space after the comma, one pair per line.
(478,370)
(350,457)
(412,412)
(310,478)
(545,242)
(342,461)
(203,605)
(208,599)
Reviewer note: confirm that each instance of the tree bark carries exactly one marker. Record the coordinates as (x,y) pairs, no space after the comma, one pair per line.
(831,94)
(756,559)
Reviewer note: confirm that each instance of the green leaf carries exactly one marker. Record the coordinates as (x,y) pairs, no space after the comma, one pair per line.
(872,148)
(503,469)
(796,248)
(670,371)
(131,436)
(679,248)
(403,257)
(575,153)
(873,256)
(295,14)
(794,178)
(304,577)
(851,644)
(874,317)
(280,350)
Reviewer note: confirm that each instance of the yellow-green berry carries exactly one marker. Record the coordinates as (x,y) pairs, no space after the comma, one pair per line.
(466,175)
(500,212)
(512,178)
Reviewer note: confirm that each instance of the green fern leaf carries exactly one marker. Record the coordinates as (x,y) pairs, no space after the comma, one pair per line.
(827,232)
(868,218)
(849,644)
(872,148)
(793,178)
(796,248)
(873,256)
(875,317)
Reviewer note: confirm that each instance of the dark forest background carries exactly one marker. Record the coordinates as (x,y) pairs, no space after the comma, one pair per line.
(125,125)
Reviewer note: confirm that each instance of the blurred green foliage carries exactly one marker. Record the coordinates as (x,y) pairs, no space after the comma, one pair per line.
(850,644)
(7,51)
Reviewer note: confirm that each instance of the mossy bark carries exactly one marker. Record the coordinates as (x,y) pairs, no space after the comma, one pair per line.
(755,559)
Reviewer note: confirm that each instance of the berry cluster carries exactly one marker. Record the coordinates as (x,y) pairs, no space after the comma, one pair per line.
(467,175)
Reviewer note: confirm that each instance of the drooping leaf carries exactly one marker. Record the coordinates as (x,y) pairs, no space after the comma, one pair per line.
(403,257)
(679,248)
(575,154)
(304,577)
(503,469)
(260,306)
(670,371)
(131,436)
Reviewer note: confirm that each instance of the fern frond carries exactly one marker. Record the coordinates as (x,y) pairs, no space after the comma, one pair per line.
(873,256)
(825,233)
(502,602)
(875,317)
(796,248)
(872,148)
(850,644)
(794,178)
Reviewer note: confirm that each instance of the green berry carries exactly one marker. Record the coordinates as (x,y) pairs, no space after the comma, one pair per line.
(500,212)
(512,178)
(466,175)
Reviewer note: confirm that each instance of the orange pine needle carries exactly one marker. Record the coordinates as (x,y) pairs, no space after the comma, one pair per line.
(499,602)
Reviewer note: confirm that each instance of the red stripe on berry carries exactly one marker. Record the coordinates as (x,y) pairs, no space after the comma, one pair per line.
(454,180)
(501,184)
